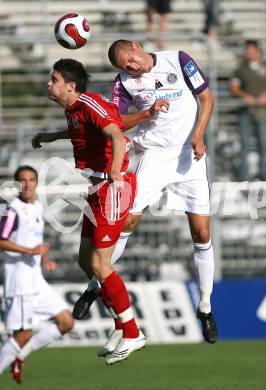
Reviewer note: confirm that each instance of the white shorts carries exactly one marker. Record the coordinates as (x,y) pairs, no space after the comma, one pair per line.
(182,177)
(27,311)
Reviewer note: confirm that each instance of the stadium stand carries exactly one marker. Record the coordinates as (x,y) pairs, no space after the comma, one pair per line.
(28,47)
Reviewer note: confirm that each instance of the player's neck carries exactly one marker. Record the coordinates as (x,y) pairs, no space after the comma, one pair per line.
(71,99)
(27,200)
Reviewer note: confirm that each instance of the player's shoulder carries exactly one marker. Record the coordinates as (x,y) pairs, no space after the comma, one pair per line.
(167,54)
(14,205)
(90,96)
(92,100)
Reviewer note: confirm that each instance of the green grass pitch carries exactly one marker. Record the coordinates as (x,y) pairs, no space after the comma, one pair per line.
(223,366)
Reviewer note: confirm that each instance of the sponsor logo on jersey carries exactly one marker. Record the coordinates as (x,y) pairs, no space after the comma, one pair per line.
(171,78)
(194,75)
(168,95)
(158,84)
(106,238)
(191,69)
(72,121)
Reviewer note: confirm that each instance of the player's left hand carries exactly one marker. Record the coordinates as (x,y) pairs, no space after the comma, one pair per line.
(49,265)
(199,147)
(117,180)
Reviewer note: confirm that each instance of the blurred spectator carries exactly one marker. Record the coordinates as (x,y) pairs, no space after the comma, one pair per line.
(249,83)
(162,7)
(211,17)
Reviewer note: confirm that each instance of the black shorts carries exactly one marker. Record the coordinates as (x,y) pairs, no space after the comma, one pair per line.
(161,6)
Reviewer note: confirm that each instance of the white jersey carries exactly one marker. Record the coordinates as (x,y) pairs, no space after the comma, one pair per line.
(22,224)
(175,77)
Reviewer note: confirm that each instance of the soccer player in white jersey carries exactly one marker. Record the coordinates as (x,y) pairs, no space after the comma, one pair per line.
(173,153)
(28,297)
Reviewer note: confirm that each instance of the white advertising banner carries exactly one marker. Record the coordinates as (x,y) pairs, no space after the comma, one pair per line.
(163,310)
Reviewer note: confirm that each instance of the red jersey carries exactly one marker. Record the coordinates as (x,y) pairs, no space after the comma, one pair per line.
(86,118)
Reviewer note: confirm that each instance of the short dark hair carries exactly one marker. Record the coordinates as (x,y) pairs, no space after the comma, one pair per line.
(252,42)
(72,70)
(24,168)
(113,49)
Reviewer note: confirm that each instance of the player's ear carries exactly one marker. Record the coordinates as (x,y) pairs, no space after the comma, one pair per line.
(135,45)
(71,86)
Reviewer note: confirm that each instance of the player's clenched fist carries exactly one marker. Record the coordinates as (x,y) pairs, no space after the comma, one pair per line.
(41,249)
(39,138)
(161,105)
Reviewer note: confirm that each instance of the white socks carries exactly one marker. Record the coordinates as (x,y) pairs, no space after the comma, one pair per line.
(8,353)
(40,339)
(204,264)
(93,283)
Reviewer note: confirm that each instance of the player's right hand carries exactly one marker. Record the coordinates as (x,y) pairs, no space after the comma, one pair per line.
(117,181)
(161,105)
(41,249)
(39,138)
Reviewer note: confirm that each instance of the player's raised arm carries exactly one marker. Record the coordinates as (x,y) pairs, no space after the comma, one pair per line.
(134,119)
(39,138)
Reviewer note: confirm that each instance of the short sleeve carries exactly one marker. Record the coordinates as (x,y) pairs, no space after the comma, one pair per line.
(120,97)
(195,79)
(237,77)
(8,223)
(100,115)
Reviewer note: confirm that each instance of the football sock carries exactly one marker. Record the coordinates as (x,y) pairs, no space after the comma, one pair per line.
(204,264)
(120,246)
(8,353)
(40,339)
(116,293)
(107,304)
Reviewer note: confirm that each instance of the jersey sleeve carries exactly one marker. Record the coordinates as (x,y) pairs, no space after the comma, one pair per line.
(237,77)
(120,96)
(195,79)
(100,115)
(8,223)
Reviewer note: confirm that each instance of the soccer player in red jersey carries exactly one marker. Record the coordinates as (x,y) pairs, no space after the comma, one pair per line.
(100,150)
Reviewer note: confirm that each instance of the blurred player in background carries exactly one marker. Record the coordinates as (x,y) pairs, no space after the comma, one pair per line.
(28,297)
(249,84)
(172,149)
(100,151)
(162,8)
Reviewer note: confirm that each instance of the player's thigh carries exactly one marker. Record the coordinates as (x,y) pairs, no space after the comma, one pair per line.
(19,312)
(131,223)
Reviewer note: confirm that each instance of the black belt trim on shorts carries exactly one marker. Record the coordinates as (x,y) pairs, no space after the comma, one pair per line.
(103,175)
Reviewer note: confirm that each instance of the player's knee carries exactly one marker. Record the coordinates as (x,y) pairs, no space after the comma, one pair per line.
(201,236)
(65,322)
(131,223)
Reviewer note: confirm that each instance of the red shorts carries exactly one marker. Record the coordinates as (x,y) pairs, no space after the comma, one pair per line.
(105,216)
